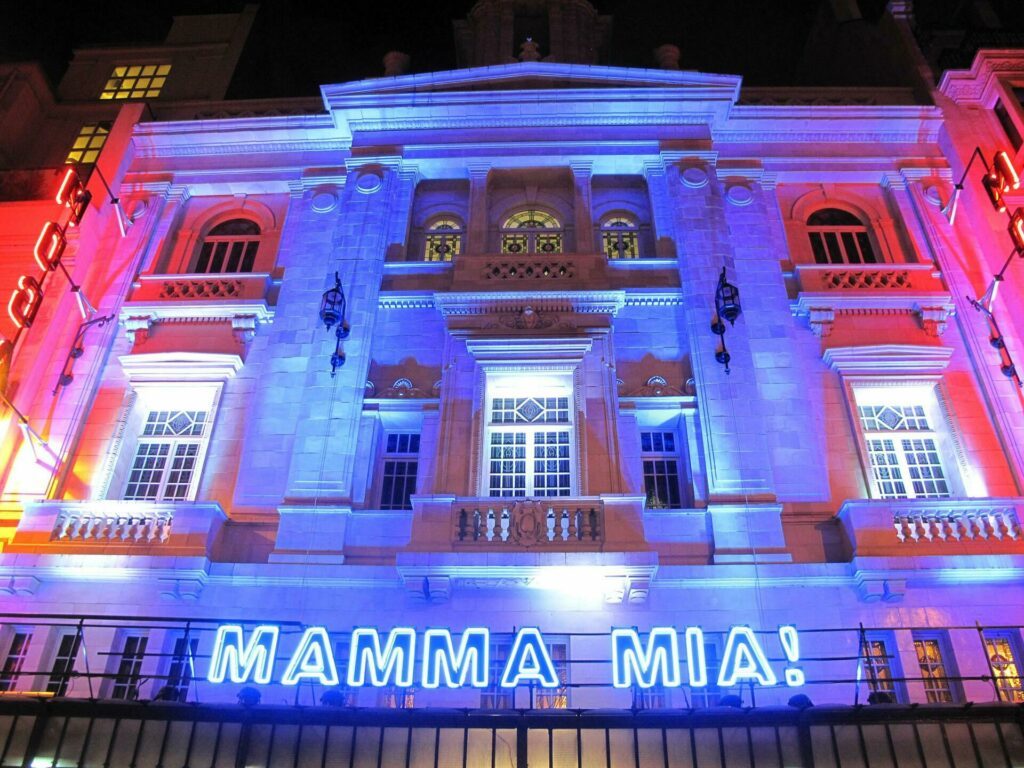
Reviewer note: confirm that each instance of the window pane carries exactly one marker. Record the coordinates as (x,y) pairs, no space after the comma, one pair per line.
(126,683)
(15,660)
(63,664)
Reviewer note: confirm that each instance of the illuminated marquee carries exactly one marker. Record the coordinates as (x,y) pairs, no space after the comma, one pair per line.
(378,660)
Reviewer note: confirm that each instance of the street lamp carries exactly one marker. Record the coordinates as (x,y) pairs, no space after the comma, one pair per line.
(727,307)
(332,314)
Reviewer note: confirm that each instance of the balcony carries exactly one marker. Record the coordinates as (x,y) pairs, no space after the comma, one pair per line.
(529,272)
(826,290)
(537,524)
(243,299)
(186,529)
(901,527)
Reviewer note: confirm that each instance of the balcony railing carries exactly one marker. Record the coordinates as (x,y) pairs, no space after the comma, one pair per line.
(903,526)
(554,523)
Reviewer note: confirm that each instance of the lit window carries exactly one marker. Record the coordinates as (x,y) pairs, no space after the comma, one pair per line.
(711,694)
(229,247)
(655,697)
(138,81)
(660,456)
(398,473)
(529,446)
(64,663)
(620,238)
(531,232)
(347,697)
(129,668)
(903,451)
(87,146)
(934,661)
(394,697)
(555,698)
(168,456)
(15,660)
(838,237)
(494,696)
(1003,652)
(181,669)
(881,666)
(443,241)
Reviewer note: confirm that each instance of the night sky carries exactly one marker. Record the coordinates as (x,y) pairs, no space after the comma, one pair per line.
(297,45)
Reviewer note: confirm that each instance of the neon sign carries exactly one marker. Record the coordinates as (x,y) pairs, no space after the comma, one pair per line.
(378,660)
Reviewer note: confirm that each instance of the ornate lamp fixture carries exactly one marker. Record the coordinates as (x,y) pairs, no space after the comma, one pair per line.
(727,307)
(332,313)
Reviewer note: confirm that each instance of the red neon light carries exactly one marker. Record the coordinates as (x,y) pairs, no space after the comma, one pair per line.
(50,246)
(25,301)
(1008,177)
(994,191)
(73,194)
(1017,231)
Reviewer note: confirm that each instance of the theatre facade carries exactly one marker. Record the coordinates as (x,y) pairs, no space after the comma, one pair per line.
(537,411)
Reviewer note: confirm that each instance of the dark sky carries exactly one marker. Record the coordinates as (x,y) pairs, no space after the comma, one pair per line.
(298,44)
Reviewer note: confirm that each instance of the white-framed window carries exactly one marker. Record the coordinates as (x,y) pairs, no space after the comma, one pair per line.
(882,665)
(443,240)
(938,673)
(620,237)
(529,441)
(180,667)
(394,697)
(135,81)
(168,456)
(1004,658)
(711,694)
(127,671)
(901,428)
(532,231)
(68,643)
(494,696)
(839,237)
(229,248)
(14,660)
(88,143)
(661,458)
(349,696)
(555,698)
(399,467)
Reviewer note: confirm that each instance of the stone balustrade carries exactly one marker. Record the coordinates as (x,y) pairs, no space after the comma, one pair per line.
(939,526)
(186,528)
(234,287)
(826,278)
(556,523)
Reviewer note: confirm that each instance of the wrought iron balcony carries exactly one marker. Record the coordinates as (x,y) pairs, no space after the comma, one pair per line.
(825,290)
(548,523)
(940,526)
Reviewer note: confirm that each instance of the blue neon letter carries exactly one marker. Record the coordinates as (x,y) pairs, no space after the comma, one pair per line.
(529,661)
(441,661)
(658,664)
(253,661)
(366,660)
(743,659)
(696,662)
(313,660)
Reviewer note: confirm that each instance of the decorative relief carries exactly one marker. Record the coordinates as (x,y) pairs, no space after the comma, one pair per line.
(657,386)
(859,279)
(694,177)
(323,201)
(211,288)
(739,195)
(528,270)
(528,319)
(403,388)
(369,182)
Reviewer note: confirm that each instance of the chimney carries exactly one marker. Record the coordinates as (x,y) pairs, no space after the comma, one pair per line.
(667,56)
(395,63)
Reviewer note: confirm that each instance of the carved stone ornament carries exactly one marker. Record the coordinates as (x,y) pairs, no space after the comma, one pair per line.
(656,386)
(369,182)
(739,195)
(694,177)
(323,201)
(529,319)
(403,388)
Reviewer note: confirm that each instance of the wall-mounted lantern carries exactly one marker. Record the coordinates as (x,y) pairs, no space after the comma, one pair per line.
(332,313)
(727,307)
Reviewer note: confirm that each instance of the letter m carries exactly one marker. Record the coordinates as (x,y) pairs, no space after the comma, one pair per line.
(657,664)
(253,661)
(391,665)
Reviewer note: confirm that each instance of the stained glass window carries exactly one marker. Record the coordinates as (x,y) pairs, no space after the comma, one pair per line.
(531,231)
(136,81)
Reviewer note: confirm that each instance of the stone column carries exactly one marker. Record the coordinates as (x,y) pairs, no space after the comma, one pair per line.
(478,224)
(583,220)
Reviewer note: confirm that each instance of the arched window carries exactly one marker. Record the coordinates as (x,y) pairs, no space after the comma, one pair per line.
(229,247)
(444,240)
(620,237)
(839,237)
(531,232)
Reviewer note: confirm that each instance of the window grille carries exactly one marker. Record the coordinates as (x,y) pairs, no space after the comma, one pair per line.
(16,654)
(230,247)
(64,664)
(167,455)
(138,81)
(1004,658)
(555,698)
(530,410)
(88,144)
(620,238)
(838,237)
(129,668)
(934,673)
(494,696)
(903,452)
(880,666)
(400,466)
(660,457)
(532,232)
(443,240)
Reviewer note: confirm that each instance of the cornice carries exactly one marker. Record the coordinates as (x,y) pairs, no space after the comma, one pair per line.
(888,359)
(485,303)
(975,86)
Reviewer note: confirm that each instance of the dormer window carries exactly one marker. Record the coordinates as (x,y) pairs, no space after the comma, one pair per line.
(230,246)
(532,231)
(839,237)
(443,240)
(620,237)
(139,81)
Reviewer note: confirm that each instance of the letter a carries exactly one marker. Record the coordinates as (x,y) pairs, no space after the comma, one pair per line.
(313,660)
(529,661)
(743,660)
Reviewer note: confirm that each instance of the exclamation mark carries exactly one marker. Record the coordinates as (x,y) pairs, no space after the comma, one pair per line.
(791,647)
